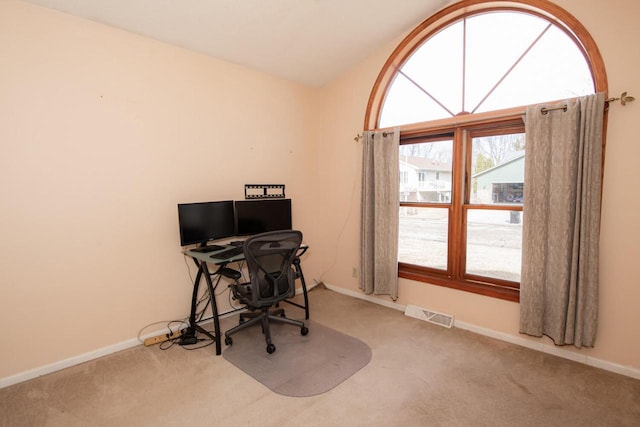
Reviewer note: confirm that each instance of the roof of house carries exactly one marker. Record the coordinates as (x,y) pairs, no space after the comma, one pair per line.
(510,159)
(421,163)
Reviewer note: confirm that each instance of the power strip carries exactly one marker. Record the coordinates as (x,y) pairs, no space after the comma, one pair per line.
(162,338)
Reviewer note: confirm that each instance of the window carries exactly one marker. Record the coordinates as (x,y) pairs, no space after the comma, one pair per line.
(404,177)
(493,207)
(457,87)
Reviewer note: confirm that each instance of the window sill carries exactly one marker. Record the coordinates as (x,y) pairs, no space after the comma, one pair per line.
(482,288)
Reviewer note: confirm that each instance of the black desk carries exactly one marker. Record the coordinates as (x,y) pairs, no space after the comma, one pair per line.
(202,259)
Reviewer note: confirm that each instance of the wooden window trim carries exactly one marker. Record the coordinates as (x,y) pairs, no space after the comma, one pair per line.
(508,117)
(455,276)
(470,284)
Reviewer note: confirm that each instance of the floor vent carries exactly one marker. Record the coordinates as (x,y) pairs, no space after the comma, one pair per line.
(441,319)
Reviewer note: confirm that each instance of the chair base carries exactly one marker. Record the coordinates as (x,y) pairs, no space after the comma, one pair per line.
(264,317)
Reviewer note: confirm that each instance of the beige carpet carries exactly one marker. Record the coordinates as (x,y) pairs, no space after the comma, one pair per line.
(301,366)
(419,375)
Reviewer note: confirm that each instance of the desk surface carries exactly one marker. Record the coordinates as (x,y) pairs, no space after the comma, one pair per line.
(210,256)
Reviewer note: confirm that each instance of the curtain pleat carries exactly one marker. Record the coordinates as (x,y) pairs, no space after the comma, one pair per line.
(563,174)
(379,214)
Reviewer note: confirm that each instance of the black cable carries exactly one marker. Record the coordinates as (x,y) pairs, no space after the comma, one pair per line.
(186,262)
(166,345)
(200,312)
(210,341)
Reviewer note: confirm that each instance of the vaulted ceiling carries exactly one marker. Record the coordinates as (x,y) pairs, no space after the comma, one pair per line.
(307,41)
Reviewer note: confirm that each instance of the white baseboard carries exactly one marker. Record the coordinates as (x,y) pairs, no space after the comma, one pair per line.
(86,357)
(545,348)
(365,297)
(105,351)
(513,339)
(72,361)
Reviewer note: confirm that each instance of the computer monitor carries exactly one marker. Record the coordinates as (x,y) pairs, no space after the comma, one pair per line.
(201,222)
(260,216)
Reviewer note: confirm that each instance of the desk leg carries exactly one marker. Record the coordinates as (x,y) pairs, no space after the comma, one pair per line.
(193,324)
(214,308)
(296,265)
(194,300)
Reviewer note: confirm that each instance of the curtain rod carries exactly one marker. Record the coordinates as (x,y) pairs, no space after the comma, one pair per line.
(623,98)
(384,134)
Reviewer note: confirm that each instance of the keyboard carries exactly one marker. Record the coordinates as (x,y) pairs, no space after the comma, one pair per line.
(208,249)
(228,253)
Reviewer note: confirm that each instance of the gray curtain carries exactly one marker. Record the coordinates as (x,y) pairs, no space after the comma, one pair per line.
(563,171)
(379,213)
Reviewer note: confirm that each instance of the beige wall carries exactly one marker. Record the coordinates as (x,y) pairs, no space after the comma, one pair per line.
(615,26)
(102,132)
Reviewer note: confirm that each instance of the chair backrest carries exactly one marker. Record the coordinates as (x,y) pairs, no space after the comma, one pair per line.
(269,262)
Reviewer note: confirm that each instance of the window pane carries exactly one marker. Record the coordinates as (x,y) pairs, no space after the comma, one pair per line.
(494,243)
(488,68)
(497,169)
(553,69)
(423,236)
(495,41)
(442,79)
(426,171)
(405,103)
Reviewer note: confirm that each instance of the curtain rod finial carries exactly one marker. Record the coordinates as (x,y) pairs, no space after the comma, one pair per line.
(624,98)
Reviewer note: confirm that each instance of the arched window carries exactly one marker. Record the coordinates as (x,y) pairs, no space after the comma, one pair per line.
(457,87)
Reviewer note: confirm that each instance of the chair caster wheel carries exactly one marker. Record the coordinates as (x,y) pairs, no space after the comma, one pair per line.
(228,340)
(304,330)
(271,348)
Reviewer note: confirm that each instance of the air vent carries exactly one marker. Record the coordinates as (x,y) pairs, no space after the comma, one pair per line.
(430,316)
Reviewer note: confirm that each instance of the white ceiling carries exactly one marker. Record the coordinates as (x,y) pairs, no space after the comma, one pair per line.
(307,41)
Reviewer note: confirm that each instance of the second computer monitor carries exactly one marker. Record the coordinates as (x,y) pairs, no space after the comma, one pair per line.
(260,216)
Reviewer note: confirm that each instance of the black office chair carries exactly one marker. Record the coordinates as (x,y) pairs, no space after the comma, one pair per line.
(269,259)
